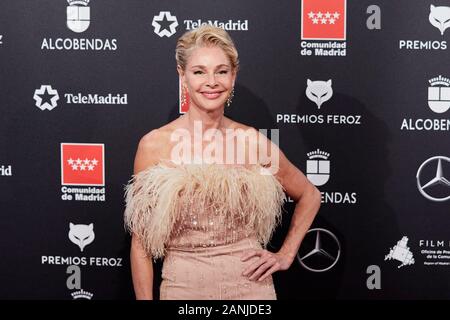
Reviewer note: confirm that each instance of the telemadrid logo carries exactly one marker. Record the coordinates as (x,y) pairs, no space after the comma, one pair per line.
(429,189)
(46,97)
(165,24)
(167,18)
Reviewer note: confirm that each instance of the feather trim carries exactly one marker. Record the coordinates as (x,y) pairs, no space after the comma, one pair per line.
(157,197)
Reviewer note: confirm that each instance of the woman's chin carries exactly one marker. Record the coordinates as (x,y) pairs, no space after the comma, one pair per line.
(208,107)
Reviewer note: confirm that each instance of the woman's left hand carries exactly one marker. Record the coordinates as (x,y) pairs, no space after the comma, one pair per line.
(267,264)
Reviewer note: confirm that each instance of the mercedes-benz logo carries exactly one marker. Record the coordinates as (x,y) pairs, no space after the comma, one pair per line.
(320,250)
(432,170)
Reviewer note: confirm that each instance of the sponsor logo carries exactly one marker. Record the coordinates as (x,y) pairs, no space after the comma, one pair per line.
(320,250)
(318,172)
(431,179)
(438,102)
(81,234)
(435,252)
(74,282)
(78,15)
(374,20)
(82,164)
(167,19)
(46,97)
(165,24)
(319,92)
(439,17)
(323,21)
(401,252)
(228,25)
(318,167)
(78,20)
(439,94)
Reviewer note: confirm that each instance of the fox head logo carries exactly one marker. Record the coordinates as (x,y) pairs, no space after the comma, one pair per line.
(319,91)
(440,17)
(81,234)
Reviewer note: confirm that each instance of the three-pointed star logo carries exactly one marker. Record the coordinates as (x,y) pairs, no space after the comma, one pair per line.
(437,180)
(165,24)
(46,97)
(325,251)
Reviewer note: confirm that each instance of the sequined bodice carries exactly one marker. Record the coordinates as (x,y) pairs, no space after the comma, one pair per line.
(203,226)
(191,206)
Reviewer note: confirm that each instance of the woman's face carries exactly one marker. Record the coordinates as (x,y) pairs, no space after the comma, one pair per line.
(208,78)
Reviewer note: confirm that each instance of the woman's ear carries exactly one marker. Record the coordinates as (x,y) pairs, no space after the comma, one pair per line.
(180,73)
(234,77)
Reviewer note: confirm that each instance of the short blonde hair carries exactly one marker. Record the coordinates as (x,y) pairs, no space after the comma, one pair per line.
(206,36)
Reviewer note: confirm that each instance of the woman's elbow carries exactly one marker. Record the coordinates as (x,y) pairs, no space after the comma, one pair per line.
(316,197)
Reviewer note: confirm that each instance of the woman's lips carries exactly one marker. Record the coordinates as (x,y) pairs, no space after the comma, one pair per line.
(211,95)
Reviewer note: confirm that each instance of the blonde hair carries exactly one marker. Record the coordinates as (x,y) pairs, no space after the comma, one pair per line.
(206,36)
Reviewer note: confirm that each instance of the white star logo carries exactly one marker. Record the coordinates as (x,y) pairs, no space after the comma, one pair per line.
(82,165)
(165,15)
(42,97)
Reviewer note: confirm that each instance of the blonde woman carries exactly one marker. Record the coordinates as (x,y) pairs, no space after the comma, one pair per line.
(207,192)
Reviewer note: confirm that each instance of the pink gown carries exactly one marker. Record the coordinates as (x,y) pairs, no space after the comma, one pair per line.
(201,219)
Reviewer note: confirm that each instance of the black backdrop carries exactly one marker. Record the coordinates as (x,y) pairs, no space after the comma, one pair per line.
(371,200)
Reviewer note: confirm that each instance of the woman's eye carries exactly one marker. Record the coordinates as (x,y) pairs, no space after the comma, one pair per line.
(223,72)
(198,72)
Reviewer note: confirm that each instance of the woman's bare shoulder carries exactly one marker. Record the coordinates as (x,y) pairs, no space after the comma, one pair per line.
(154,146)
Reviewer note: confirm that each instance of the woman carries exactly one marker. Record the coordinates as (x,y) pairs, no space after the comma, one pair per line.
(210,211)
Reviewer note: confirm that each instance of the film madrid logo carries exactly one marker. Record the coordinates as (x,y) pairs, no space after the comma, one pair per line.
(165,24)
(78,20)
(83,172)
(319,92)
(438,102)
(318,171)
(433,252)
(439,18)
(323,28)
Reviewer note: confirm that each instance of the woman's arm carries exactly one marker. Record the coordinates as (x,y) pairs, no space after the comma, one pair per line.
(141,271)
(147,154)
(307,198)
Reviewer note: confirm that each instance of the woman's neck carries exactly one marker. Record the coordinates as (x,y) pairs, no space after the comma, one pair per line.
(199,120)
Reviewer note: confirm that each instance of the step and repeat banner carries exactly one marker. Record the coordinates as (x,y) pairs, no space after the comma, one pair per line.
(357,91)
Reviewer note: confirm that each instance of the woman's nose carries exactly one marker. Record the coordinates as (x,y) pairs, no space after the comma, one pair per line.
(212,80)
